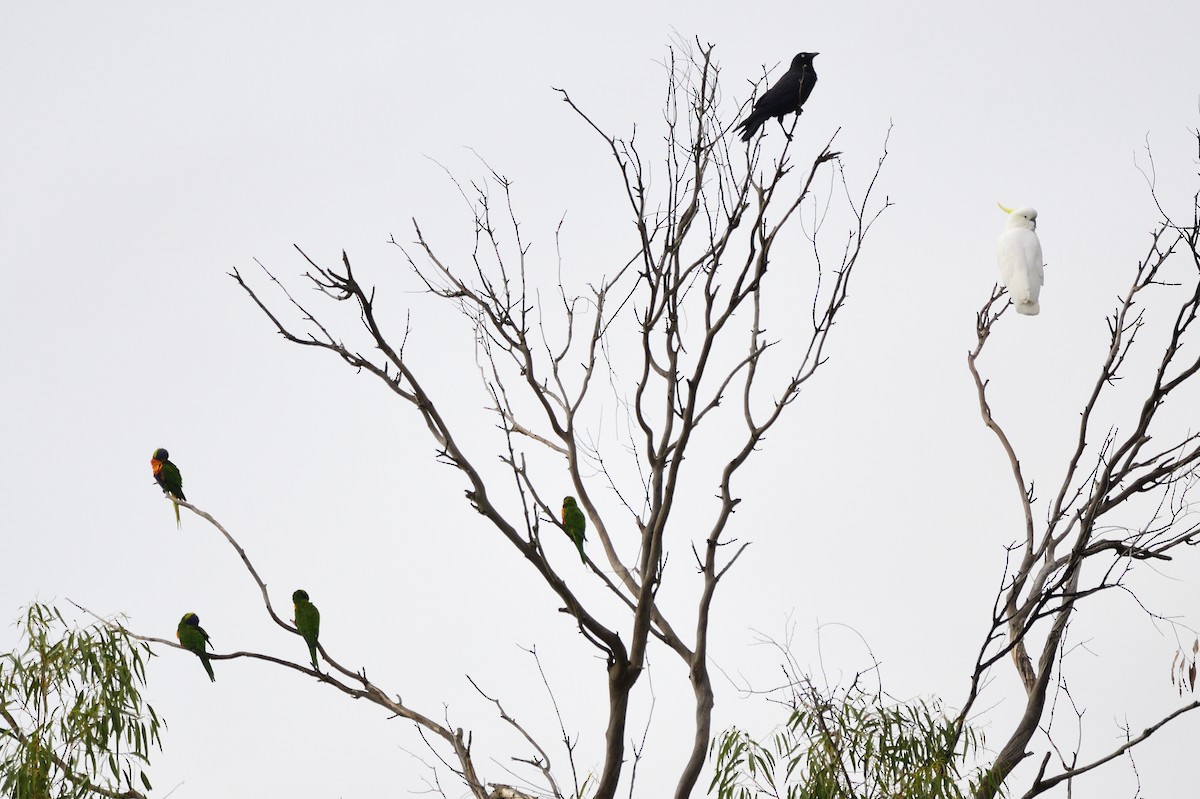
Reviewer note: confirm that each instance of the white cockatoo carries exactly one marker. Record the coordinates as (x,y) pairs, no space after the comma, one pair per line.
(1019,254)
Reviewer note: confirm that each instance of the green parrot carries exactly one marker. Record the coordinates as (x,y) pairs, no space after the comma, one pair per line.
(193,638)
(166,474)
(308,622)
(574,523)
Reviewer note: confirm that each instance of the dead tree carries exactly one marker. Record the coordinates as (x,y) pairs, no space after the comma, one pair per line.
(1122,500)
(673,337)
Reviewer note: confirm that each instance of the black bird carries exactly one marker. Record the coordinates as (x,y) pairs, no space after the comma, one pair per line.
(785,97)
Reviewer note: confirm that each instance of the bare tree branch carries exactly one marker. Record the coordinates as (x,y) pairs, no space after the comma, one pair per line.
(1048,582)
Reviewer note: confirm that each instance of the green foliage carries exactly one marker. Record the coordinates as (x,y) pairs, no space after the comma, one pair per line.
(850,745)
(72,720)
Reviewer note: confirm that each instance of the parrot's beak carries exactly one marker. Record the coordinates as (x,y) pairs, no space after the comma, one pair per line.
(1005,210)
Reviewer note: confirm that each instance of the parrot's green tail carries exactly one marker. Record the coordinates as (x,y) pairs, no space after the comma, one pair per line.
(312,650)
(179,526)
(208,667)
(579,546)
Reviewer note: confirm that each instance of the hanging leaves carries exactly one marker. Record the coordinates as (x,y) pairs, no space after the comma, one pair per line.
(1183,668)
(849,743)
(72,720)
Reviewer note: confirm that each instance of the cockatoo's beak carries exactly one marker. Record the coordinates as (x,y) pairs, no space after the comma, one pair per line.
(1005,210)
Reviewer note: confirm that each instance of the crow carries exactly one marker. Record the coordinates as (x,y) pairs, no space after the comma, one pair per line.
(786,96)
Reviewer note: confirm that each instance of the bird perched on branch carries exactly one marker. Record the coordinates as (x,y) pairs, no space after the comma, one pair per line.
(785,97)
(574,522)
(1019,254)
(166,474)
(193,638)
(308,622)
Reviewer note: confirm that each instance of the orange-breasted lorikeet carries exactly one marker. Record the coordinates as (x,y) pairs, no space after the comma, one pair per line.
(574,522)
(308,622)
(166,474)
(193,638)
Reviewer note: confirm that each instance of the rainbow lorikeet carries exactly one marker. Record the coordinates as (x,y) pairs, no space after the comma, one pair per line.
(574,522)
(193,638)
(166,474)
(308,622)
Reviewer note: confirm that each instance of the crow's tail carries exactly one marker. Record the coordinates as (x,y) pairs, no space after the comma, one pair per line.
(749,126)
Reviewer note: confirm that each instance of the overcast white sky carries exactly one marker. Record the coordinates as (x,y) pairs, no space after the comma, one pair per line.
(147,149)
